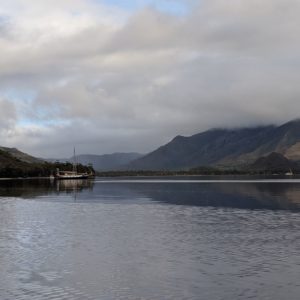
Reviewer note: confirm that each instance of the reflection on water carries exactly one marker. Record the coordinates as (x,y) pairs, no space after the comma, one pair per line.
(72,186)
(275,194)
(107,239)
(33,188)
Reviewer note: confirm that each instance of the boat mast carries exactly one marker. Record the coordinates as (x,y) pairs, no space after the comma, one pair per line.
(74,162)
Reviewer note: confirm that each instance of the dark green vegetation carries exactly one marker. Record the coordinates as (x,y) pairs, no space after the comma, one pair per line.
(198,171)
(274,163)
(12,166)
(223,149)
(247,170)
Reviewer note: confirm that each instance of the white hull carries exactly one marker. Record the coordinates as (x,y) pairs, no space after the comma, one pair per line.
(78,176)
(71,175)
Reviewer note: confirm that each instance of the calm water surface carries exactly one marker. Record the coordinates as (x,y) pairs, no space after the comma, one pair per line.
(157,239)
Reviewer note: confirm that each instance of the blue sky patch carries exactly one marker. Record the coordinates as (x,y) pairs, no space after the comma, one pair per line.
(174,7)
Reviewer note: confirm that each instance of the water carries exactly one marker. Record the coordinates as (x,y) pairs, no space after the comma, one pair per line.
(157,239)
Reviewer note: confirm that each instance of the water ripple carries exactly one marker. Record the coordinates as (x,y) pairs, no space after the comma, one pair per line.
(140,247)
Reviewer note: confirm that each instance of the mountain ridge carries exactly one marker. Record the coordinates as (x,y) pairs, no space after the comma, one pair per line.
(274,163)
(218,148)
(22,156)
(223,148)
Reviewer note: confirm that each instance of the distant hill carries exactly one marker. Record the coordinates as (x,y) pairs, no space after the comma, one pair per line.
(24,157)
(108,162)
(7,160)
(105,162)
(14,163)
(223,148)
(274,163)
(11,166)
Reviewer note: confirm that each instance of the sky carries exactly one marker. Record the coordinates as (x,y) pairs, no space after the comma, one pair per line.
(128,76)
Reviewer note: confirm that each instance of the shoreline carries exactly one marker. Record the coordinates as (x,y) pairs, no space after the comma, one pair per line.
(155,176)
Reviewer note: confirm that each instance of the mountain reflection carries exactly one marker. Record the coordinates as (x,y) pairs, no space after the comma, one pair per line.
(254,195)
(250,195)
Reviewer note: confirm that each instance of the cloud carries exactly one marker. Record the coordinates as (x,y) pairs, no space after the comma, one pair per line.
(4,26)
(8,119)
(114,79)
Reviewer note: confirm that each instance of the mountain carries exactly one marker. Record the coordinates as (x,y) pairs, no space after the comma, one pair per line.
(11,166)
(7,160)
(105,162)
(24,157)
(14,163)
(223,148)
(274,162)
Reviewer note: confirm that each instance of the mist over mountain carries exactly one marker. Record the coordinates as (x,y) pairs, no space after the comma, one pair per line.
(223,148)
(105,162)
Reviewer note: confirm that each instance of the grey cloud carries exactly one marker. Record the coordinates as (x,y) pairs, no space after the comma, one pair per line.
(5,27)
(239,27)
(8,117)
(135,84)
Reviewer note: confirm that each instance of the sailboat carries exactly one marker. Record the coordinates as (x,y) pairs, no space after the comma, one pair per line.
(71,174)
(290,173)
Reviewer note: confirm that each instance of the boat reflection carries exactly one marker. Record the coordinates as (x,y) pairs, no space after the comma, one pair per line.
(33,188)
(72,185)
